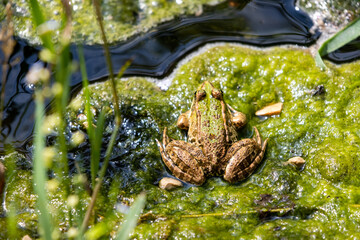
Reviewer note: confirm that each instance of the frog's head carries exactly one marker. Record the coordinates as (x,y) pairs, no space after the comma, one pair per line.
(207,90)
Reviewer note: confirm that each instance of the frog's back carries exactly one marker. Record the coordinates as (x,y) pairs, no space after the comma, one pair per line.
(209,128)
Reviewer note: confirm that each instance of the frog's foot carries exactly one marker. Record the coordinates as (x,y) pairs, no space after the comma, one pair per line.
(183,160)
(243,157)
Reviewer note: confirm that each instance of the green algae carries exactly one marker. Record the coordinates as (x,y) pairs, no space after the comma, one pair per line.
(320,200)
(315,201)
(122,19)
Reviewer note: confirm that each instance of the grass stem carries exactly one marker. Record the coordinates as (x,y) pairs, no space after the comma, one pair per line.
(108,61)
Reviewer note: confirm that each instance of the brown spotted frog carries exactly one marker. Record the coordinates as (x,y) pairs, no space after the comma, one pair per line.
(214,148)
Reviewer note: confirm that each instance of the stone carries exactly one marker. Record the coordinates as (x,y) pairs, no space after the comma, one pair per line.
(169,183)
(296,161)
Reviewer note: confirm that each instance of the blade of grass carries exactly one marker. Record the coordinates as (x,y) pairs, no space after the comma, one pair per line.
(108,61)
(98,230)
(96,146)
(95,137)
(11,222)
(38,19)
(341,38)
(11,218)
(63,69)
(319,62)
(62,76)
(39,170)
(102,173)
(117,119)
(100,180)
(346,35)
(85,82)
(131,218)
(123,68)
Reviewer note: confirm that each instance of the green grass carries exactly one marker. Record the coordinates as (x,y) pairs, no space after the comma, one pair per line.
(341,38)
(84,219)
(58,55)
(131,218)
(39,171)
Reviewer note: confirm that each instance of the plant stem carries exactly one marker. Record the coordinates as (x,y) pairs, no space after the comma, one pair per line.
(108,61)
(100,180)
(39,170)
(276,210)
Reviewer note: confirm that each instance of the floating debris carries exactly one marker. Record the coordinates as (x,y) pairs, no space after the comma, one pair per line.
(318,90)
(169,183)
(273,109)
(296,161)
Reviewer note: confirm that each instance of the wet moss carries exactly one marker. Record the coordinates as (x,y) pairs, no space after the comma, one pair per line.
(320,200)
(122,19)
(316,127)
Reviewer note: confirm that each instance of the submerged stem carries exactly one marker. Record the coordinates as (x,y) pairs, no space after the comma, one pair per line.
(275,210)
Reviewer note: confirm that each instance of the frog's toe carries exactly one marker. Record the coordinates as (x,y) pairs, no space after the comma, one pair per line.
(257,137)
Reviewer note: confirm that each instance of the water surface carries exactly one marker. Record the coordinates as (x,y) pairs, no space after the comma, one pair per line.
(155,53)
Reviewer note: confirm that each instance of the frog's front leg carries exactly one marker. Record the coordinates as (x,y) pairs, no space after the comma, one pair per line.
(237,118)
(243,157)
(183,120)
(183,159)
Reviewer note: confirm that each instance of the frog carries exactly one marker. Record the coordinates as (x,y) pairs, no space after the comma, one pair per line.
(213,147)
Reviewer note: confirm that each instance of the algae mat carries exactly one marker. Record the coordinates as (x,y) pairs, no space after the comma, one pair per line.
(320,200)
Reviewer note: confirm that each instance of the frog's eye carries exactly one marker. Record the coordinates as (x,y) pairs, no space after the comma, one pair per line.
(217,94)
(200,95)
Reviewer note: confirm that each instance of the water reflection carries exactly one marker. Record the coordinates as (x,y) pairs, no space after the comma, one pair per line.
(259,22)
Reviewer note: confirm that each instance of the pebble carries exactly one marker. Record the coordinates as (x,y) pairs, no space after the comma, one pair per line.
(169,183)
(296,161)
(269,110)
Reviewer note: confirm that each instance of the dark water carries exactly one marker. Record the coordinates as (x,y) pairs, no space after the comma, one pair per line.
(259,23)
(347,53)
